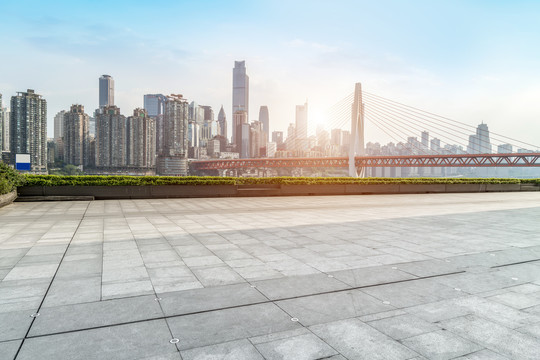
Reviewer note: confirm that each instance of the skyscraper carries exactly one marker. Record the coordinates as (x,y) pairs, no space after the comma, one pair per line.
(154,104)
(111,138)
(106,91)
(479,143)
(76,125)
(59,125)
(264,118)
(301,126)
(28,128)
(3,127)
(240,92)
(241,133)
(141,140)
(173,157)
(222,123)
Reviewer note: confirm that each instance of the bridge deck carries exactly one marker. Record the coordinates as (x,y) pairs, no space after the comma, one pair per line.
(378,277)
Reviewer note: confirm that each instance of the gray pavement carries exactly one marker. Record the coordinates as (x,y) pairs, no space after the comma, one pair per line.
(434,276)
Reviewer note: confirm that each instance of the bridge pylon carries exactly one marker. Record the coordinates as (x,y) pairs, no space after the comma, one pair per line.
(356,145)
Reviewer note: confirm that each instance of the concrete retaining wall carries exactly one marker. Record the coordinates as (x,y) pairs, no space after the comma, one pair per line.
(186,191)
(8,198)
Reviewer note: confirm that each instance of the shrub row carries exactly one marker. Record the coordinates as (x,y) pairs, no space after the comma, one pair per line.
(9,179)
(91,180)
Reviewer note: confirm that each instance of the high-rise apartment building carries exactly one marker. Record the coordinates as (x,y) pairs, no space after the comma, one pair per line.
(264,118)
(301,121)
(240,93)
(141,140)
(106,91)
(4,127)
(75,137)
(154,104)
(28,128)
(111,138)
(222,123)
(59,125)
(173,157)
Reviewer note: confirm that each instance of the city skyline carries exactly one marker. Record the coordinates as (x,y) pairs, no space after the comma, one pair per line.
(479,71)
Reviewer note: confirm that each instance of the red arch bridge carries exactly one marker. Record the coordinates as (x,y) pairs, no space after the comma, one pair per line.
(462,160)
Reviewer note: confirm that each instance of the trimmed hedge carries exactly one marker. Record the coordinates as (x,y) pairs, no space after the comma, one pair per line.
(9,179)
(113,180)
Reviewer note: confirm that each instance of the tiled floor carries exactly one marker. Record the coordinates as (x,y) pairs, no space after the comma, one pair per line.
(437,276)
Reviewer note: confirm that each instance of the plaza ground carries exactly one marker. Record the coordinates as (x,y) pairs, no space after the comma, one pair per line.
(431,276)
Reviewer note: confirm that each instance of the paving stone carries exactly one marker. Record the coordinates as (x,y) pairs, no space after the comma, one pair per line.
(197,300)
(482,355)
(233,350)
(323,308)
(371,276)
(441,345)
(429,267)
(495,337)
(302,347)
(14,324)
(474,283)
(73,291)
(356,340)
(219,326)
(516,300)
(202,260)
(9,349)
(219,275)
(533,330)
(131,341)
(124,289)
(95,314)
(298,286)
(279,335)
(404,326)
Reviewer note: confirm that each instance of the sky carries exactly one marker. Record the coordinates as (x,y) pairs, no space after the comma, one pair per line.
(471,61)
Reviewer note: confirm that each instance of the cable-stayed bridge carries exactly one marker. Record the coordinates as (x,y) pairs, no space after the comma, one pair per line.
(452,144)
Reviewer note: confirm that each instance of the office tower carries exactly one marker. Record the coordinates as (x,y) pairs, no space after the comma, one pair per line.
(208,127)
(255,139)
(240,119)
(141,140)
(291,135)
(173,157)
(244,137)
(277,137)
(111,138)
(479,143)
(482,132)
(301,126)
(154,104)
(336,137)
(264,118)
(28,128)
(504,149)
(222,122)
(240,92)
(425,139)
(59,125)
(106,91)
(76,136)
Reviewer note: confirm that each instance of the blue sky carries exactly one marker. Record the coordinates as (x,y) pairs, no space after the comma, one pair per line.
(471,61)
